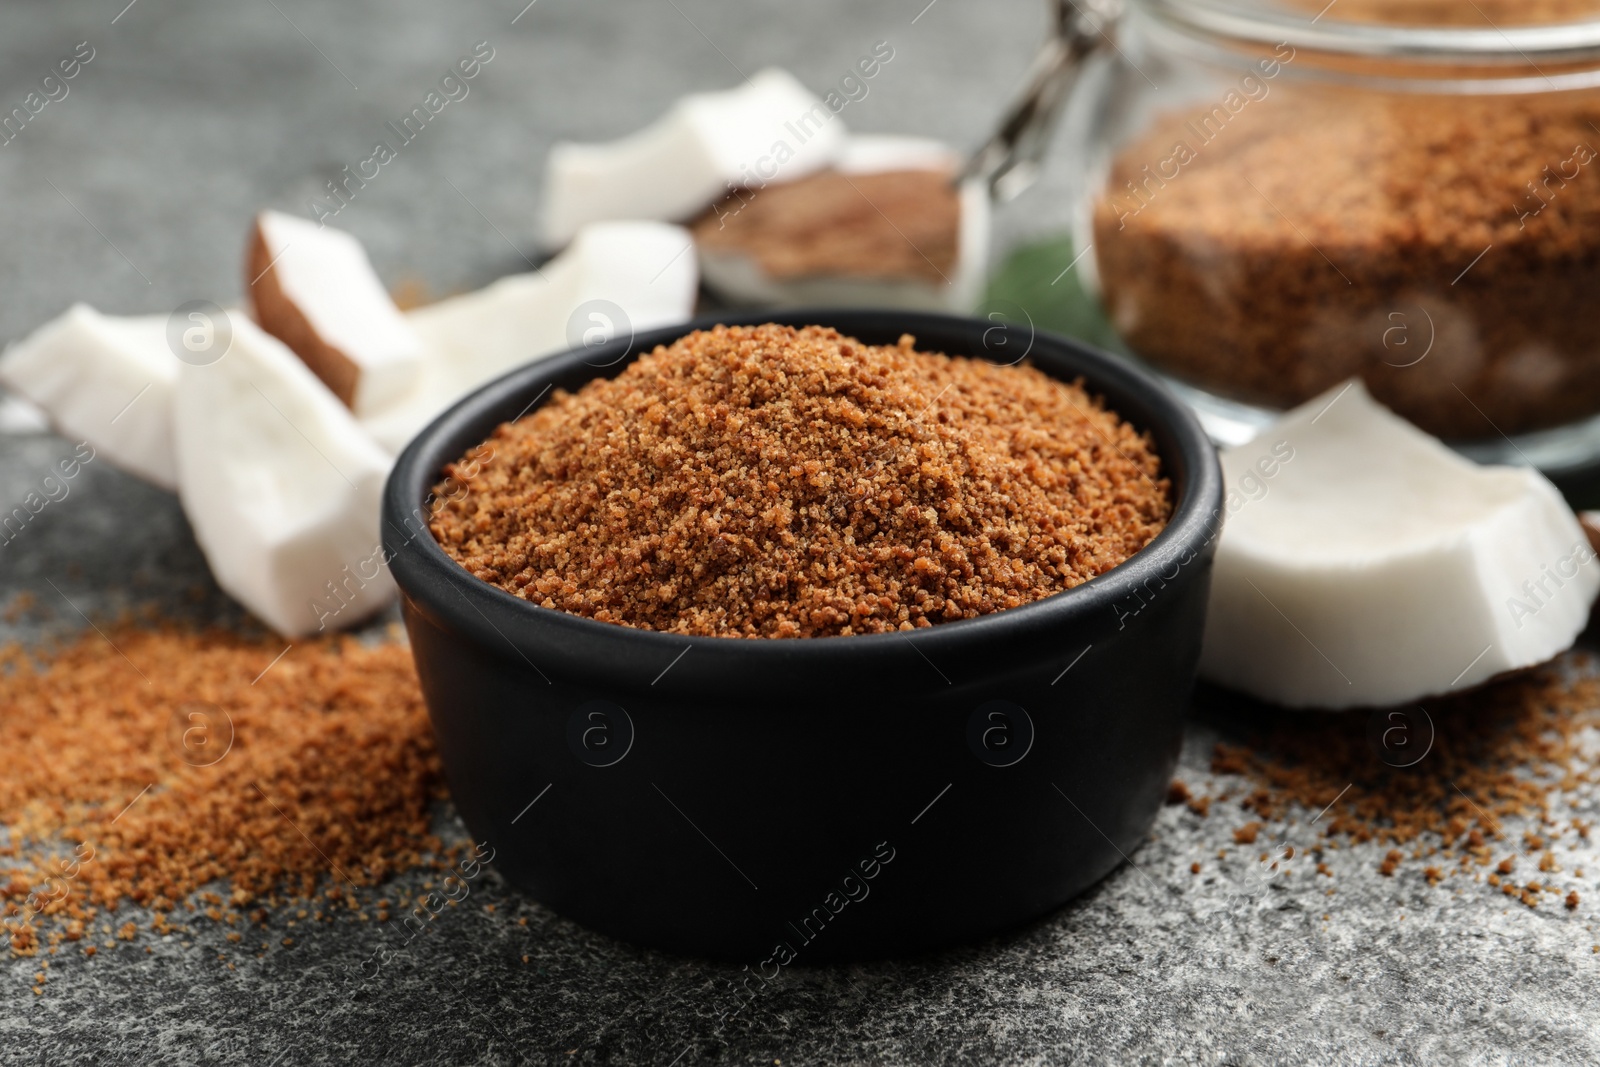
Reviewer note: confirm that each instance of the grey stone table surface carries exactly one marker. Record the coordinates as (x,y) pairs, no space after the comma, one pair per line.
(133,193)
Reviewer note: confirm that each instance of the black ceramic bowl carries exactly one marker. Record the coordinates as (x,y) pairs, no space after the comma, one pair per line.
(801,800)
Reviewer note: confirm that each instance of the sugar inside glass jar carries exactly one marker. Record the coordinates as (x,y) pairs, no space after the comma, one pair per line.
(1283,194)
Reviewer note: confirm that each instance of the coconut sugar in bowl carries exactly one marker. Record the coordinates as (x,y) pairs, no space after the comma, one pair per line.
(1280,195)
(869,758)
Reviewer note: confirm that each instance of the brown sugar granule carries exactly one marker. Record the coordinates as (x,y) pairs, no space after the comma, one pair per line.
(1572,901)
(1178,793)
(328,777)
(1273,248)
(1246,834)
(1514,753)
(777,482)
(888,224)
(18,606)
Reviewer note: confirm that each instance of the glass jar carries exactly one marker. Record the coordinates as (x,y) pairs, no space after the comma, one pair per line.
(1278,196)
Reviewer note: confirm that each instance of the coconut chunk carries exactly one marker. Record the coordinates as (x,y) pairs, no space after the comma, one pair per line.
(20,416)
(866,232)
(106,380)
(772,126)
(869,153)
(281,486)
(1363,563)
(314,289)
(615,279)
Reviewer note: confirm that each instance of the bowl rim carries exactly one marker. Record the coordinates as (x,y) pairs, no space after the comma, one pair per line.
(442,588)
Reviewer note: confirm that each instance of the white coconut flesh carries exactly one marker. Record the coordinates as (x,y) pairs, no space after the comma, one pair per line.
(1363,563)
(314,288)
(103,379)
(706,144)
(615,279)
(281,487)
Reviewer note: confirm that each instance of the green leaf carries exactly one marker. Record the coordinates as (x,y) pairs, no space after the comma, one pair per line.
(1039,283)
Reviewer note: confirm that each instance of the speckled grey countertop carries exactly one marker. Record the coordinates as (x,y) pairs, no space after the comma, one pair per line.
(134,192)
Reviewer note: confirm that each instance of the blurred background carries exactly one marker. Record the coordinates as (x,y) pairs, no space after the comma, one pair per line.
(134,193)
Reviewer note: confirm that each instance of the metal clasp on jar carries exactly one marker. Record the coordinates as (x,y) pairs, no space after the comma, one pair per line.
(1009,160)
